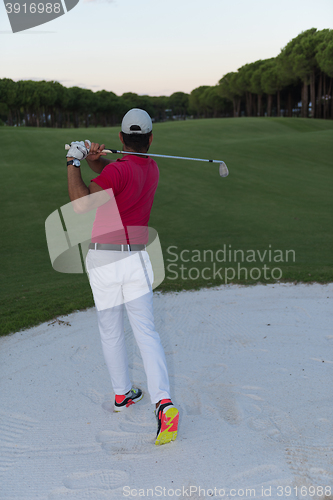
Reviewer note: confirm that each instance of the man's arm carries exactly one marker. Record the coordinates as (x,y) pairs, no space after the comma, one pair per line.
(84,198)
(94,160)
(97,165)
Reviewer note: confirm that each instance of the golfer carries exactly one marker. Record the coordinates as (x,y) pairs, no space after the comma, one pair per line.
(118,265)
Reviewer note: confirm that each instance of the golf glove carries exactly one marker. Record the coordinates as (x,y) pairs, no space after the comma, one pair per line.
(79,150)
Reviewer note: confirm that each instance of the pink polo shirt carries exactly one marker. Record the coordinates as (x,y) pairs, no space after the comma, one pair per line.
(133,180)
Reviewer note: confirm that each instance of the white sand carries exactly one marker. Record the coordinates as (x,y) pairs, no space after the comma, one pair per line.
(250,370)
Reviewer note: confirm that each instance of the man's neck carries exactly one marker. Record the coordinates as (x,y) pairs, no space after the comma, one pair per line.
(130,150)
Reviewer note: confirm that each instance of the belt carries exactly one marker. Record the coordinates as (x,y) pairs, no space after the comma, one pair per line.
(119,248)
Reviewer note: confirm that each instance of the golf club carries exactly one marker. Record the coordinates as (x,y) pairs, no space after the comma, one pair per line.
(223,169)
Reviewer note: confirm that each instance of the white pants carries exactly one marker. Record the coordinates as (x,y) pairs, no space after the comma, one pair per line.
(119,282)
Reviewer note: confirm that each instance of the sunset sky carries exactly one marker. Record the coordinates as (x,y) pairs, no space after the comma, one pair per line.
(155,47)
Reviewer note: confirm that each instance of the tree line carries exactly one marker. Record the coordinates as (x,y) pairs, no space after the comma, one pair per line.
(298,82)
(301,74)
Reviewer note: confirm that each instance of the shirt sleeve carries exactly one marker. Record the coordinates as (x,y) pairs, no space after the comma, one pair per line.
(111,177)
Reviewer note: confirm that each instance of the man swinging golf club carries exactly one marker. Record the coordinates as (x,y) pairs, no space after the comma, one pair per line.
(119,268)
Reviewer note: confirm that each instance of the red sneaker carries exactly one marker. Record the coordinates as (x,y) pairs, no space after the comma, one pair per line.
(167,417)
(124,401)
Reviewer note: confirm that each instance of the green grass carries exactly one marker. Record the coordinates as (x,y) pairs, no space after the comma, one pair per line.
(278,193)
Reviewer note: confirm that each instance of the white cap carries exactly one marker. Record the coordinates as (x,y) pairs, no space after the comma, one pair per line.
(136,121)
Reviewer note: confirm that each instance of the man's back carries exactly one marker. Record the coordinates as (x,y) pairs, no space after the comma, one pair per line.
(133,181)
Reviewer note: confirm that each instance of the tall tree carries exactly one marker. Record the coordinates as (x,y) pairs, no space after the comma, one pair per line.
(302,56)
(268,83)
(160,105)
(324,57)
(132,100)
(108,107)
(60,104)
(29,101)
(8,96)
(229,88)
(79,104)
(196,104)
(245,84)
(179,103)
(256,85)
(287,76)
(272,83)
(47,96)
(215,104)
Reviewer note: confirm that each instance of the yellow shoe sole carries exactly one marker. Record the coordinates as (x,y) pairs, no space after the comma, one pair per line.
(169,427)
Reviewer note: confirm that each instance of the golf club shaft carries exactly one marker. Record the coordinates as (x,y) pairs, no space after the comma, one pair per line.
(115,151)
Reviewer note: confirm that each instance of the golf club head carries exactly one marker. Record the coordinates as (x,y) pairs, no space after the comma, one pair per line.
(223,169)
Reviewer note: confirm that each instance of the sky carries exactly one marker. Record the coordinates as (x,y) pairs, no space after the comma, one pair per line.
(155,47)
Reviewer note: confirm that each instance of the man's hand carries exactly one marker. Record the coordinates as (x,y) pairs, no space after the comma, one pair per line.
(79,150)
(95,151)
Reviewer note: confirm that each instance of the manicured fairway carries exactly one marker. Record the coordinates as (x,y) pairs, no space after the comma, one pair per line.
(278,197)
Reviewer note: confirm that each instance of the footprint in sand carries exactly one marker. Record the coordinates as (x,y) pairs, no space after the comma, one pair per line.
(12,427)
(193,402)
(221,399)
(129,444)
(100,479)
(96,397)
(227,404)
(256,479)
(311,465)
(92,485)
(80,354)
(275,423)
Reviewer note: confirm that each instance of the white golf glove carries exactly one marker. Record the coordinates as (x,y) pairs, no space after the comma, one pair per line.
(79,150)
